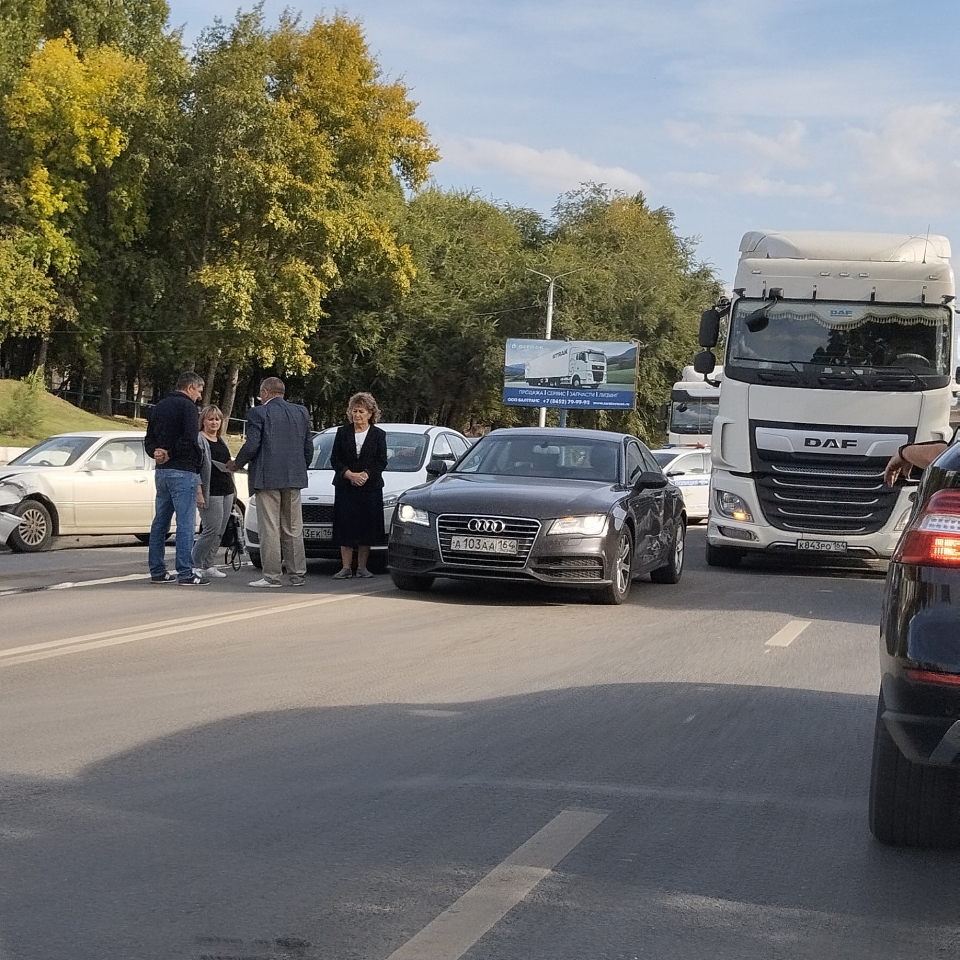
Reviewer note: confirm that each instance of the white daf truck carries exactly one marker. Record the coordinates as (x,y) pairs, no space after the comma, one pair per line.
(694,405)
(568,365)
(839,350)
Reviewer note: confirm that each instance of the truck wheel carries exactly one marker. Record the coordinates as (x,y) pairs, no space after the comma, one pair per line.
(723,556)
(911,804)
(405,581)
(672,572)
(35,533)
(622,579)
(575,383)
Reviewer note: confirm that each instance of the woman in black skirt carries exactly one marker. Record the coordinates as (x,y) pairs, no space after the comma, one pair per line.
(358,458)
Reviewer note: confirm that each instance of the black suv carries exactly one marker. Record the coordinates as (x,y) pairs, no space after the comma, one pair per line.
(915,780)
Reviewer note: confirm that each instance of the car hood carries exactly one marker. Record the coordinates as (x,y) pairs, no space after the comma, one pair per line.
(514,496)
(320,484)
(7,470)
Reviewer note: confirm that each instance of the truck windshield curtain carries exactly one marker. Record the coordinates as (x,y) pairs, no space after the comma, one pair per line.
(690,416)
(831,344)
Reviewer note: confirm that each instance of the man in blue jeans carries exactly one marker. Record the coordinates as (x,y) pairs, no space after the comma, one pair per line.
(172,440)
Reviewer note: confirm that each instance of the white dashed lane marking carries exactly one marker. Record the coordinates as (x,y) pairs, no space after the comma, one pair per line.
(461,925)
(786,636)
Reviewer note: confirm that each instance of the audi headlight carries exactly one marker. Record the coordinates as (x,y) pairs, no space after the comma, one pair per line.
(732,506)
(408,514)
(589,526)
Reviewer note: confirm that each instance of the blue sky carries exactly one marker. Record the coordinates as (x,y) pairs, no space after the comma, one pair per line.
(735,114)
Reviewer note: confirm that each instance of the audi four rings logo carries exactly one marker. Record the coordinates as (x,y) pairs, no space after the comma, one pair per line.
(486,526)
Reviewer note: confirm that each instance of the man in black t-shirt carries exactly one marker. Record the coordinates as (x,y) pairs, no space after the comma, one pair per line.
(172,441)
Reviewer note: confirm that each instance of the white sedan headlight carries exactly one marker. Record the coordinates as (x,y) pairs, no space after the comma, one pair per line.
(409,514)
(589,526)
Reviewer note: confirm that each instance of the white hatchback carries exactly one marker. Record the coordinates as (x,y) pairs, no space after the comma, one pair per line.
(410,447)
(689,469)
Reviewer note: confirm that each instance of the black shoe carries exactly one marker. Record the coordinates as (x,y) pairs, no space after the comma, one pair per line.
(164,578)
(194,581)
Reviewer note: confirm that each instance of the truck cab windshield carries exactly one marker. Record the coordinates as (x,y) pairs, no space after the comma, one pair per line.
(841,345)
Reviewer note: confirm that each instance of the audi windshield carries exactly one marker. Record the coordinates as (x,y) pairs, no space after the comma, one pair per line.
(843,345)
(553,459)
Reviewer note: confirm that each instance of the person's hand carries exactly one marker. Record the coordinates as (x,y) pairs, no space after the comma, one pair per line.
(362,477)
(200,501)
(160,456)
(231,465)
(896,467)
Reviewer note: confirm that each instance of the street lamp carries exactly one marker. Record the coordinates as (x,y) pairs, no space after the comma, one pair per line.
(550,285)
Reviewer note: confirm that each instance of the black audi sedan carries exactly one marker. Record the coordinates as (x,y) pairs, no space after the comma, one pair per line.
(571,508)
(915,778)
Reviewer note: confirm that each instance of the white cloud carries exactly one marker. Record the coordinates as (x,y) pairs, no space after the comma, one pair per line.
(909,161)
(787,147)
(544,169)
(754,184)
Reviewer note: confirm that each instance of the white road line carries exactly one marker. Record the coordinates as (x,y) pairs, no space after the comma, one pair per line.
(110,638)
(69,584)
(461,925)
(786,636)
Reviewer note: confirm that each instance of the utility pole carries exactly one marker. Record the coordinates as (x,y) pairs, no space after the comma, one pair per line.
(549,331)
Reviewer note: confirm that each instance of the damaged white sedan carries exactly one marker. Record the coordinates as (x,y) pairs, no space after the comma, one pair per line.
(91,482)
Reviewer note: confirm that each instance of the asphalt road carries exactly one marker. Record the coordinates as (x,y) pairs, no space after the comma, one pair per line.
(343,771)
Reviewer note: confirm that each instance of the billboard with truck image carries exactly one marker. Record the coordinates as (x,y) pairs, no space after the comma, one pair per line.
(571,374)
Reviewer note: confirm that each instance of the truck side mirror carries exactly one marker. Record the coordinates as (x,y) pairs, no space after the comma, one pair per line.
(709,329)
(705,362)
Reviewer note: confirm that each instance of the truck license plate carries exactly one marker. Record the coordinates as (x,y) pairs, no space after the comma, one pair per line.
(483,545)
(324,532)
(823,546)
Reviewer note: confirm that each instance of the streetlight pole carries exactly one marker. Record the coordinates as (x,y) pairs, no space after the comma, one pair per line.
(549,331)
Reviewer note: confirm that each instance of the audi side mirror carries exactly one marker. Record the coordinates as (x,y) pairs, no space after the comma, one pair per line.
(436,468)
(648,480)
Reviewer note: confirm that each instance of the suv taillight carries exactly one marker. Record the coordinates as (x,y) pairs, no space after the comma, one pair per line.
(933,537)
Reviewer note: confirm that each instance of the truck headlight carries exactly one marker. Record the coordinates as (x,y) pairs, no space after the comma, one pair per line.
(408,514)
(732,506)
(589,526)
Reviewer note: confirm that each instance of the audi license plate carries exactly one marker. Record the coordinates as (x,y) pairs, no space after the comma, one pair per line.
(324,532)
(823,546)
(483,545)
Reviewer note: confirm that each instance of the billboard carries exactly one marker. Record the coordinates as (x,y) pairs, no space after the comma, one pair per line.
(584,374)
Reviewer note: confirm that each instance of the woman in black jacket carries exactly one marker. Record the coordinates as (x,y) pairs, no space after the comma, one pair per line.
(358,458)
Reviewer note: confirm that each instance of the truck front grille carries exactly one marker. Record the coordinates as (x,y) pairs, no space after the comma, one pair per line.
(822,497)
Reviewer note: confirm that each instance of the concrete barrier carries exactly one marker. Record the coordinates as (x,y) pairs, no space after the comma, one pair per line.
(8,453)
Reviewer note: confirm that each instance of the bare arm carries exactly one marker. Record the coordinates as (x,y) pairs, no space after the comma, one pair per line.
(912,455)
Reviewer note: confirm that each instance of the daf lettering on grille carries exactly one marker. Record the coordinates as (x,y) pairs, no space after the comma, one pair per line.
(486,526)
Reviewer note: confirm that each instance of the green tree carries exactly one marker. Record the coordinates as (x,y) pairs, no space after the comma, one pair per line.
(288,136)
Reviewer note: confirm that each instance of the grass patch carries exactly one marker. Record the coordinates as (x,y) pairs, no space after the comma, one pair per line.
(59,416)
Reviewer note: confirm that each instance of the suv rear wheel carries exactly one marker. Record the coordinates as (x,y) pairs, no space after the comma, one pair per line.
(911,804)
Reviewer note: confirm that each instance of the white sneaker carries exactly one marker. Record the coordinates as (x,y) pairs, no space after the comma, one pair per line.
(213,572)
(264,583)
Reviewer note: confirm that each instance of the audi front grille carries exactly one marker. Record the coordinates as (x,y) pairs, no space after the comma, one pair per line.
(514,528)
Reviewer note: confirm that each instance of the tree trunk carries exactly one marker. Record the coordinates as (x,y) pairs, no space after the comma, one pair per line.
(106,377)
(229,393)
(41,363)
(211,376)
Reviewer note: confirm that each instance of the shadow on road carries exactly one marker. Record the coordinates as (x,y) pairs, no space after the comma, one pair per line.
(736,829)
